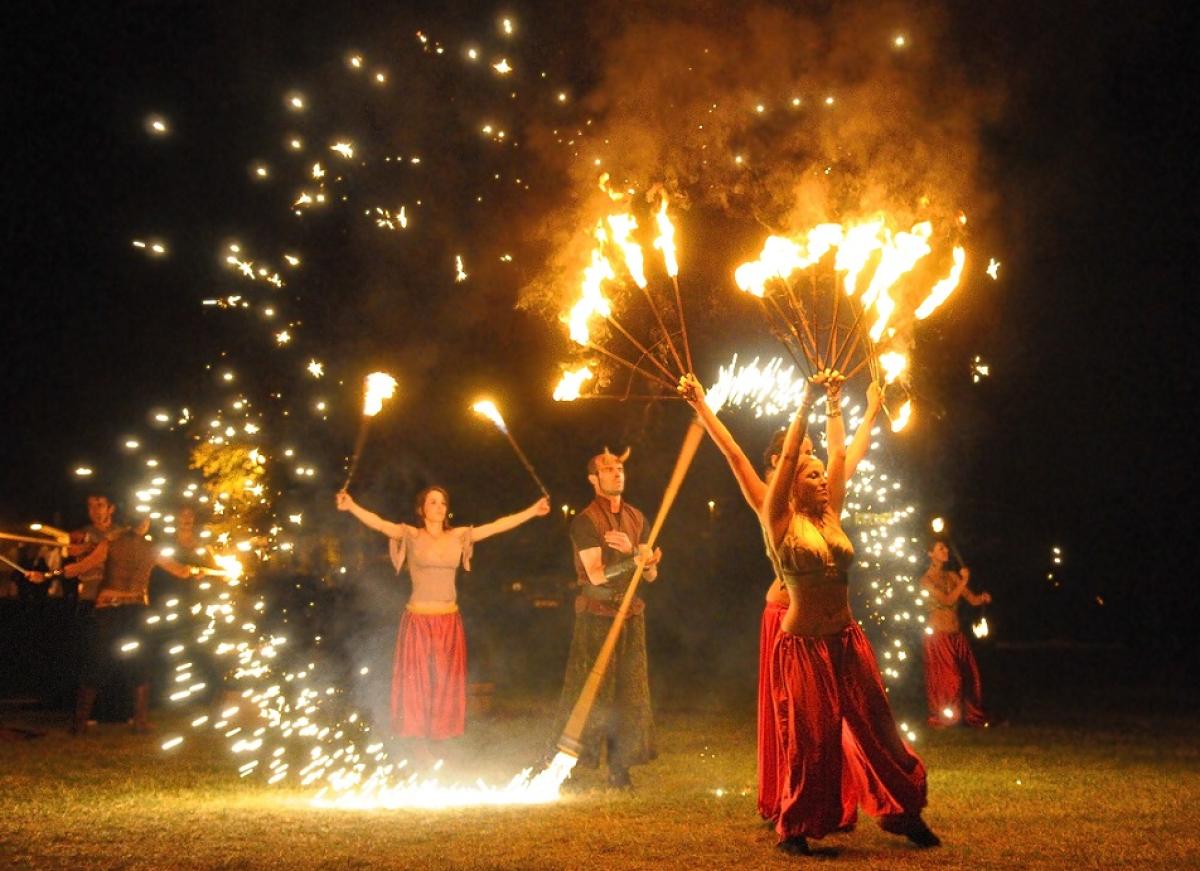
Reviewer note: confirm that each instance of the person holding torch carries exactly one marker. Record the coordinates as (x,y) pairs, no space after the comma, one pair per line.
(754,490)
(838,741)
(429,674)
(952,685)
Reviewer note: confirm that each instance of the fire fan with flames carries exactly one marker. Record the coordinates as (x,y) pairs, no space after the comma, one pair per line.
(656,361)
(858,305)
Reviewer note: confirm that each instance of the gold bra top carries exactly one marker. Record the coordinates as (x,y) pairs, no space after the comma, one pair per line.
(809,558)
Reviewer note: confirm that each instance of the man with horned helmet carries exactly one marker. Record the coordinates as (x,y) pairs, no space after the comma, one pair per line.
(608,539)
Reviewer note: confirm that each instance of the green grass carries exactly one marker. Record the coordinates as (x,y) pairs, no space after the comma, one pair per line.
(1117,793)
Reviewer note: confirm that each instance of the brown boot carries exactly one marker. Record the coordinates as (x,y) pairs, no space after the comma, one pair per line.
(141,710)
(84,699)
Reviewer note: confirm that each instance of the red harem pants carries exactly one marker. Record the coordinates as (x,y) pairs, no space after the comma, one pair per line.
(838,743)
(429,677)
(952,685)
(768,745)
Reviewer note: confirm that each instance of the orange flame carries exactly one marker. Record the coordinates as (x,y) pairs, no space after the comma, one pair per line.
(893,364)
(487,408)
(666,239)
(379,386)
(622,227)
(569,386)
(900,254)
(943,288)
(900,421)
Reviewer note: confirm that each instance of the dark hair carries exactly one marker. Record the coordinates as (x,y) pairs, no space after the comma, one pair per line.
(100,493)
(935,540)
(774,448)
(420,503)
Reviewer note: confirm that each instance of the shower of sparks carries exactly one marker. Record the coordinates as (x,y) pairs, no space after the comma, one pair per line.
(502,66)
(315,369)
(769,390)
(993,269)
(979,370)
(345,149)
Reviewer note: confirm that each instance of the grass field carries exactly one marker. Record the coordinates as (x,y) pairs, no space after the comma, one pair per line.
(1120,791)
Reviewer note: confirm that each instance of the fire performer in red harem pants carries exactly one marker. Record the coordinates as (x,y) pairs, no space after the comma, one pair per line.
(429,674)
(952,685)
(753,491)
(838,742)
(607,538)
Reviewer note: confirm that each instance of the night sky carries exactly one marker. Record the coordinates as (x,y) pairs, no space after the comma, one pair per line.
(1076,440)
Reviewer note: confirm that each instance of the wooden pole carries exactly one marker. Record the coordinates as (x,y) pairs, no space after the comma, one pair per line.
(571,740)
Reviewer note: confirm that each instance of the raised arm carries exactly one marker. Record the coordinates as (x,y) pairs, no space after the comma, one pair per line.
(753,488)
(835,441)
(774,512)
(345,502)
(538,509)
(862,438)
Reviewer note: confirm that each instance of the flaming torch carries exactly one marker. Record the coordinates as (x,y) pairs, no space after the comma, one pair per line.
(487,408)
(377,387)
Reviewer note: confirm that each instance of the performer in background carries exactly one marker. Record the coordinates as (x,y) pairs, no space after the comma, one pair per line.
(838,742)
(952,685)
(753,491)
(429,675)
(608,539)
(122,599)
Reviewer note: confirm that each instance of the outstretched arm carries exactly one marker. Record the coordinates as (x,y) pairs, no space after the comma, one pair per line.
(752,487)
(345,502)
(538,509)
(862,438)
(176,568)
(774,512)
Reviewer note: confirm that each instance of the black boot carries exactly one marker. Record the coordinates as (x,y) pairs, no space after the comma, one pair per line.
(797,846)
(84,699)
(141,710)
(913,828)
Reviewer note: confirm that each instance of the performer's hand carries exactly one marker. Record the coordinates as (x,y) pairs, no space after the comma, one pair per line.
(35,577)
(649,558)
(987,598)
(874,395)
(542,507)
(691,389)
(832,380)
(618,541)
(344,501)
(964,575)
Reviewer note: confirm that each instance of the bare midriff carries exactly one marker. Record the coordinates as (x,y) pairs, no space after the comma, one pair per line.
(944,619)
(819,605)
(778,594)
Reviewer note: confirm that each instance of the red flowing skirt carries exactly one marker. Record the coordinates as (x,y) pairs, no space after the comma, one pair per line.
(429,677)
(952,685)
(768,744)
(838,742)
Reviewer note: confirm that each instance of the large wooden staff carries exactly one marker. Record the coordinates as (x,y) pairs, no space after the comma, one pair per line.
(571,740)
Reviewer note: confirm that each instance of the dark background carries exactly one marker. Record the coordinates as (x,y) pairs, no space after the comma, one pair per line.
(1076,440)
